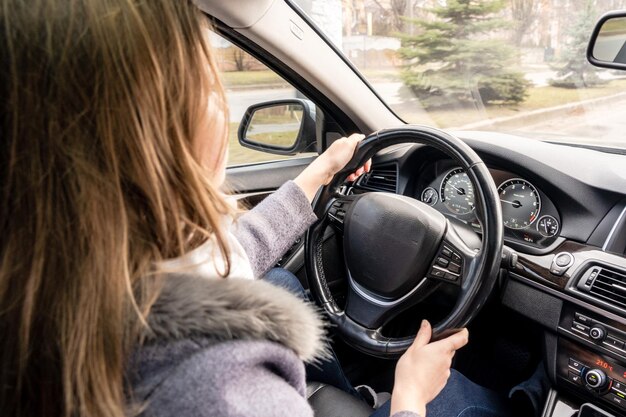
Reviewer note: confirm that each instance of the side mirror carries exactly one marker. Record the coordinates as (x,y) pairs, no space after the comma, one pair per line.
(607,46)
(282,127)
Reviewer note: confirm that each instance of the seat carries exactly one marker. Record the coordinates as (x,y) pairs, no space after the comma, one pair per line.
(328,401)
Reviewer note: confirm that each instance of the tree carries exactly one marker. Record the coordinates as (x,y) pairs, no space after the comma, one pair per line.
(240,59)
(574,71)
(392,13)
(456,59)
(524,13)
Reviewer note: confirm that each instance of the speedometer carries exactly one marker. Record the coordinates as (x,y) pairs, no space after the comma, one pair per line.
(457,192)
(521,203)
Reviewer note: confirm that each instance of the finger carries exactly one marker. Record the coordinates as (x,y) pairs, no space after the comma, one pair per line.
(423,335)
(357,137)
(368,165)
(359,172)
(456,341)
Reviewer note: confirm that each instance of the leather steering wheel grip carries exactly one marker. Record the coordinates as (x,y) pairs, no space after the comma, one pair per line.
(474,290)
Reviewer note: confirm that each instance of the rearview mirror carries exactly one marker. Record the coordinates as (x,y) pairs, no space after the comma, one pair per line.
(607,47)
(283,127)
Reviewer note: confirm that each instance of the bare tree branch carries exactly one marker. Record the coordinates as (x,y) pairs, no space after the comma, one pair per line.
(524,13)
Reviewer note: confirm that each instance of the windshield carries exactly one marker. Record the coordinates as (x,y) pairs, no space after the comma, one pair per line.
(516,66)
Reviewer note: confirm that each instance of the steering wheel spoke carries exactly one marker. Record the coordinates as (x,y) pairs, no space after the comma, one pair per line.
(373,312)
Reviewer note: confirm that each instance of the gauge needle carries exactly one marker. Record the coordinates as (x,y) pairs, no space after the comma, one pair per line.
(505,201)
(514,203)
(458,190)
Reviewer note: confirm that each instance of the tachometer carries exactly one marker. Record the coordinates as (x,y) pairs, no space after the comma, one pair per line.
(457,192)
(521,203)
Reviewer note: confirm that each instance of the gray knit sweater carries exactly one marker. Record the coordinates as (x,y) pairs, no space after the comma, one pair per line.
(233,347)
(270,228)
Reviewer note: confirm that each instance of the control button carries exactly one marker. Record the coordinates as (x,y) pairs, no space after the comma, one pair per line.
(613,342)
(563,259)
(575,365)
(447,252)
(580,327)
(561,262)
(583,319)
(456,257)
(451,277)
(618,386)
(442,262)
(454,268)
(437,273)
(592,379)
(574,377)
(617,400)
(596,379)
(618,393)
(597,333)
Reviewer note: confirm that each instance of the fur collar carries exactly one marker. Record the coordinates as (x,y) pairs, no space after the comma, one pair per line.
(232,309)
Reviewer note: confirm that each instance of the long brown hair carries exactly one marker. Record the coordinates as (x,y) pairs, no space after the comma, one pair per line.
(98,181)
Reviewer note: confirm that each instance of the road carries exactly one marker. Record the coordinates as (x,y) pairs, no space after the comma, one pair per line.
(602,124)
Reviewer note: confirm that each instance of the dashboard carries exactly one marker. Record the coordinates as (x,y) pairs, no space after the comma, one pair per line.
(529,215)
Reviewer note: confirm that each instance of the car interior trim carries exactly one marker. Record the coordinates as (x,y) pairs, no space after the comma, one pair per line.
(570,298)
(617,224)
(339,53)
(379,301)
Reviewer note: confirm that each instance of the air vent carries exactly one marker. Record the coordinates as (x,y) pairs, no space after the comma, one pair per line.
(381,178)
(606,284)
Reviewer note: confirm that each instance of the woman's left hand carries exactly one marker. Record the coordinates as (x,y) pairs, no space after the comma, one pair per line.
(322,170)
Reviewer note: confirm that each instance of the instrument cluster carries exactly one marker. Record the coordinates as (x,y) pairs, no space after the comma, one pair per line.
(528,214)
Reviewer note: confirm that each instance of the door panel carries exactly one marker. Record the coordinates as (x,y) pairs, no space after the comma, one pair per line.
(267,176)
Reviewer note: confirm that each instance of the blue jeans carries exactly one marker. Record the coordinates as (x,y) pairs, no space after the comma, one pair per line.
(459,398)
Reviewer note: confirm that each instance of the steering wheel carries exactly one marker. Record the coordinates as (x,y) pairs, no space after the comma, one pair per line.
(396,249)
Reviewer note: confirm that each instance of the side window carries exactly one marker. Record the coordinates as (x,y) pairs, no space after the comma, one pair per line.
(247,82)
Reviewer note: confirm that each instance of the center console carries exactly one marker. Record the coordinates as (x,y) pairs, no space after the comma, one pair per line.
(591,358)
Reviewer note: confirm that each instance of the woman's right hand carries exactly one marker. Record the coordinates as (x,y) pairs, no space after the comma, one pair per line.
(424,369)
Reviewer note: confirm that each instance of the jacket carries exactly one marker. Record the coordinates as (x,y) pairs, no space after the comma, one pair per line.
(226,348)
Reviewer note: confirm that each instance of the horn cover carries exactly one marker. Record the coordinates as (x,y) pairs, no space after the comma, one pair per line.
(390,241)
